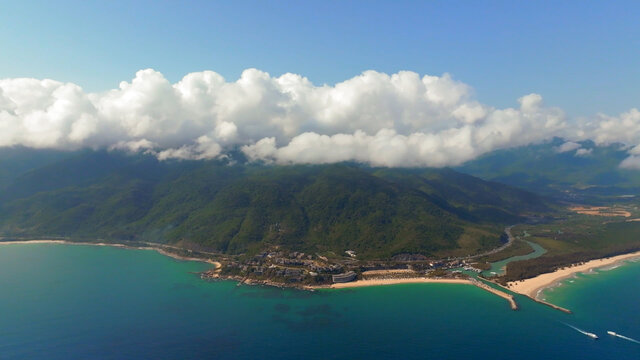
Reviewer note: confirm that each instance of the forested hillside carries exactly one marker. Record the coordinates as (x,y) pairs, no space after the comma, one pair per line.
(236,208)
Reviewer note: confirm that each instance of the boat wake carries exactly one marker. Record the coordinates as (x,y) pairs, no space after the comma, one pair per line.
(623,337)
(589,334)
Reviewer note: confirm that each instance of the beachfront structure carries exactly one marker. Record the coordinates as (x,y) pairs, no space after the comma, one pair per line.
(345,277)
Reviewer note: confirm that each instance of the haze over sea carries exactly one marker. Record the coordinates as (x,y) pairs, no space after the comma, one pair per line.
(88,302)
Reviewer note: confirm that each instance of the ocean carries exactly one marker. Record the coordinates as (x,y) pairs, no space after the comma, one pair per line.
(90,302)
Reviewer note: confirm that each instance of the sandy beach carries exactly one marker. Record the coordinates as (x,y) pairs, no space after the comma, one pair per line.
(378,282)
(533,287)
(419,280)
(33,242)
(185,258)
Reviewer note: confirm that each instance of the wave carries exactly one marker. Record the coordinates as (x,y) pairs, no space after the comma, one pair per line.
(615,266)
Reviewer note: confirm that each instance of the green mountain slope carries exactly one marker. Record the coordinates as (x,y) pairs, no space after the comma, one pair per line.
(543,169)
(247,208)
(15,161)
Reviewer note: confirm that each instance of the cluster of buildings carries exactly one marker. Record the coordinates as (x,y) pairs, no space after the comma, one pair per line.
(286,267)
(300,268)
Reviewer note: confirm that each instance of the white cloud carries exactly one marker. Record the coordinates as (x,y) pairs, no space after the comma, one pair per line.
(571,146)
(583,152)
(635,150)
(401,119)
(567,146)
(204,148)
(631,163)
(134,146)
(604,129)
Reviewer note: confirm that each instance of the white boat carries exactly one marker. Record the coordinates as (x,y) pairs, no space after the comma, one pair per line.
(622,337)
(591,335)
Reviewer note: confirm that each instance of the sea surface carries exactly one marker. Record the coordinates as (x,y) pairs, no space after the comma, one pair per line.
(90,302)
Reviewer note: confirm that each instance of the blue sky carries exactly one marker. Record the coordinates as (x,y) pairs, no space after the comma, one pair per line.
(580,56)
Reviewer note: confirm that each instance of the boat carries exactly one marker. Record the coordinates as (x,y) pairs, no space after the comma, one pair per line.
(622,336)
(589,334)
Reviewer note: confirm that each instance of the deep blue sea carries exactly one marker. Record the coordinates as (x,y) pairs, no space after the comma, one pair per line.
(89,302)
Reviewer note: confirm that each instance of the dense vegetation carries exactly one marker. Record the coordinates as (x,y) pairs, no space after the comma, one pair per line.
(237,208)
(573,240)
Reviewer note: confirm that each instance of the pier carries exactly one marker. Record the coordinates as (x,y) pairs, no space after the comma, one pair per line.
(502,294)
(552,305)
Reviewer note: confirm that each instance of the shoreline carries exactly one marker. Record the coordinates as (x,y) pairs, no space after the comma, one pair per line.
(531,288)
(422,280)
(381,282)
(150,247)
(534,287)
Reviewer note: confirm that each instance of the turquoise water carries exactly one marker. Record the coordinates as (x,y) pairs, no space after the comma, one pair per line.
(498,267)
(84,302)
(609,299)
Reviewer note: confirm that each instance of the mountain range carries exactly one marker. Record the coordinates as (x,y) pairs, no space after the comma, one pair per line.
(572,171)
(236,207)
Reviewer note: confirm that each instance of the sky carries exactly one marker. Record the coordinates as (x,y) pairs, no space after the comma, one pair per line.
(557,67)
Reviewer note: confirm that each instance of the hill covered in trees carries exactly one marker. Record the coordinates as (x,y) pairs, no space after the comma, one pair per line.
(235,208)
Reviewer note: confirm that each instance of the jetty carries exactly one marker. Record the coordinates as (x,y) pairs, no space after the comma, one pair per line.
(502,294)
(551,305)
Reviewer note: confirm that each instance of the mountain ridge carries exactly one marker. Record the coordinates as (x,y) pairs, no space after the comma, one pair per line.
(246,208)
(572,175)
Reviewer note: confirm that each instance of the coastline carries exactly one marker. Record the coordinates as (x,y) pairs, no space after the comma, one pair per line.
(34,242)
(531,288)
(150,247)
(534,287)
(379,282)
(422,280)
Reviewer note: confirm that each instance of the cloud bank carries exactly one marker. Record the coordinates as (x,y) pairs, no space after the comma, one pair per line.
(383,120)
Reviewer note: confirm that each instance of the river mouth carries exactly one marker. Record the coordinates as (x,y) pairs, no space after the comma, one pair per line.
(498,268)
